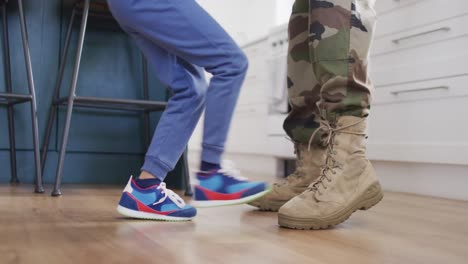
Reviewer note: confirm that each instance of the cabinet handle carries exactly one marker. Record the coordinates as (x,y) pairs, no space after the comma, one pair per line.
(398,40)
(420,90)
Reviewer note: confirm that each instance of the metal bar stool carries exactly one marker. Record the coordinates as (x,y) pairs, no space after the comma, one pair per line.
(10,99)
(85,9)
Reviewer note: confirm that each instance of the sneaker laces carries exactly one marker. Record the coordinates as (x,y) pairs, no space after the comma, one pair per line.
(229,170)
(330,162)
(169,194)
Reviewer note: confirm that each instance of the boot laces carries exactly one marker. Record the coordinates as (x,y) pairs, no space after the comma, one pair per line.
(330,162)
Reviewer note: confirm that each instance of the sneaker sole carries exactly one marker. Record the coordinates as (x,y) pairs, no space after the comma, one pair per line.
(372,197)
(218,203)
(148,216)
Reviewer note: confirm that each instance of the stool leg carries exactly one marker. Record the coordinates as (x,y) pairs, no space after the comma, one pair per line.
(71,99)
(32,91)
(11,130)
(186,172)
(58,83)
(11,120)
(147,132)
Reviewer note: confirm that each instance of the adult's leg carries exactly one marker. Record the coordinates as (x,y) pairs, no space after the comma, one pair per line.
(303,87)
(303,120)
(327,63)
(341,33)
(340,37)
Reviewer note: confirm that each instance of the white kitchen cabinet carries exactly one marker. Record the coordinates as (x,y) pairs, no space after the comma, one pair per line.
(418,126)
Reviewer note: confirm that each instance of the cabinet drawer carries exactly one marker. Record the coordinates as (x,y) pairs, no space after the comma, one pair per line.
(255,47)
(419,14)
(421,122)
(247,133)
(257,65)
(257,55)
(258,68)
(385,6)
(244,110)
(438,89)
(421,36)
(438,60)
(254,90)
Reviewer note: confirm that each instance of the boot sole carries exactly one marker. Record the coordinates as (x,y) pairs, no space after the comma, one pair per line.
(268,206)
(371,197)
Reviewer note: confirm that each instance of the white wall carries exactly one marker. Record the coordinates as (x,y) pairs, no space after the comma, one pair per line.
(256,154)
(283,11)
(244,20)
(247,20)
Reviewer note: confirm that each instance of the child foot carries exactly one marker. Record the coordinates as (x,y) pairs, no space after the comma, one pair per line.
(154,203)
(222,187)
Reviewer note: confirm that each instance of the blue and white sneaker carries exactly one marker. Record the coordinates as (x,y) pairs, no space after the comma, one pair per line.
(225,187)
(154,203)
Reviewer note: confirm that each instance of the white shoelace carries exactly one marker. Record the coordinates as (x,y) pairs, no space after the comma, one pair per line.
(229,169)
(169,194)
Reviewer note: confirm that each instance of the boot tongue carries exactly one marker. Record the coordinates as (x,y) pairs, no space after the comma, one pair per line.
(351,124)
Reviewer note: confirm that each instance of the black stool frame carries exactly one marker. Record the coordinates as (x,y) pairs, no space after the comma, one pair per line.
(72,100)
(10,99)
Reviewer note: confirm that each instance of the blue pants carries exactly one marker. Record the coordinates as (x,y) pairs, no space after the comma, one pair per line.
(181,41)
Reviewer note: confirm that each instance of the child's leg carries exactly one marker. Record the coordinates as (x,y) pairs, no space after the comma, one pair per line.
(176,125)
(184,30)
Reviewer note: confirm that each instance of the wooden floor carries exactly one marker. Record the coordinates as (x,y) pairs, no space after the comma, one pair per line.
(83,227)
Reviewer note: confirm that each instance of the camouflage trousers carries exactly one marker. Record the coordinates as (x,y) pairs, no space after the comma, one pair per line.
(329,44)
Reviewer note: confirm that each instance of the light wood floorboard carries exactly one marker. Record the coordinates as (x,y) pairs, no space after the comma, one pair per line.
(83,227)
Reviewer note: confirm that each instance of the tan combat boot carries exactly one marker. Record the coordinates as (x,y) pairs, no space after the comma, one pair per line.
(347,182)
(307,171)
